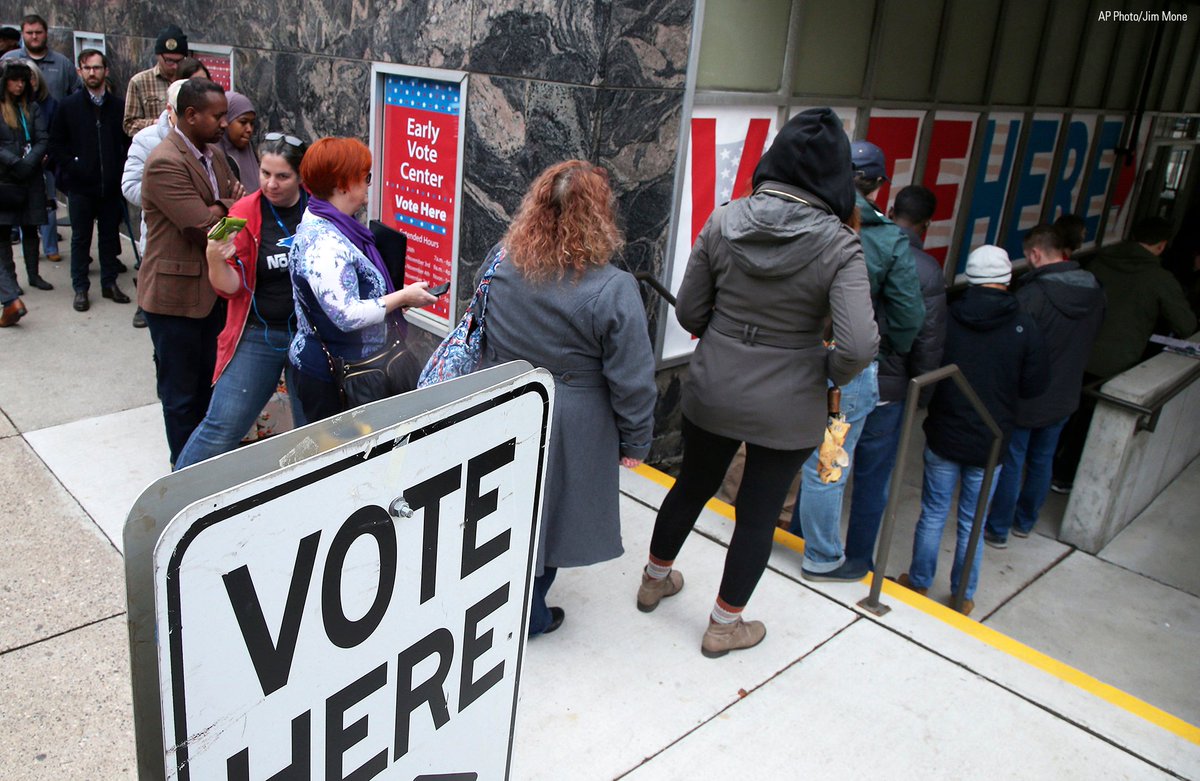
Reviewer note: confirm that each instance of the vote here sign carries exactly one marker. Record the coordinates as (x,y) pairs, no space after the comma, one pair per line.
(419,193)
(361,614)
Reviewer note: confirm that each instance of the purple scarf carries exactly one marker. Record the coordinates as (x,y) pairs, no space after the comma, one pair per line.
(361,237)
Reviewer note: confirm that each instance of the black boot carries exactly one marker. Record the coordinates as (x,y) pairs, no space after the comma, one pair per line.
(39,283)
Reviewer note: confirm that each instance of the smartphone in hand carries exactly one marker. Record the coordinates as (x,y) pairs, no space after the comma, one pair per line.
(225,227)
(440,290)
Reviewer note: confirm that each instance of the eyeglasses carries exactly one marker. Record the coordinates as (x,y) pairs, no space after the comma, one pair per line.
(92,67)
(173,60)
(289,140)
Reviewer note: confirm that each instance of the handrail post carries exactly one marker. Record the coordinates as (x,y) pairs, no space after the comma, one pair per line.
(883,548)
(871,602)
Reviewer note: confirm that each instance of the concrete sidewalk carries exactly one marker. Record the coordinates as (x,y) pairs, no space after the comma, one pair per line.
(1081,666)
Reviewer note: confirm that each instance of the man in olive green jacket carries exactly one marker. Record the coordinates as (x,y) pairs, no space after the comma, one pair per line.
(1141,294)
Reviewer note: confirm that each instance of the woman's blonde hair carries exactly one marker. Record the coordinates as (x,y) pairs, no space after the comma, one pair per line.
(565,222)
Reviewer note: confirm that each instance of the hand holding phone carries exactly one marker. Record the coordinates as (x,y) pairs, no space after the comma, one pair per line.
(225,227)
(440,290)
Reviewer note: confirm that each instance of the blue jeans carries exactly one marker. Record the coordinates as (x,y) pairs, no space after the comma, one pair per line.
(240,394)
(539,612)
(874,459)
(942,476)
(50,229)
(1030,453)
(817,515)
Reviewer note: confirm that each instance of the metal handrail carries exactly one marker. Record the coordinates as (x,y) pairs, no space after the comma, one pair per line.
(1149,413)
(871,601)
(652,281)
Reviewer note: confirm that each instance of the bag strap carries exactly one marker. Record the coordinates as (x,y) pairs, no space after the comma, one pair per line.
(479,299)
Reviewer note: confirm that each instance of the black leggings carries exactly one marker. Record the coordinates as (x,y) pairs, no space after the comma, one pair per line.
(765,482)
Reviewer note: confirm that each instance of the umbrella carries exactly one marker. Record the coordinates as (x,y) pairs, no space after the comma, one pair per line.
(832,457)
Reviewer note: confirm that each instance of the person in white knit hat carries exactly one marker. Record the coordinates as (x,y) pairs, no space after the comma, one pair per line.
(999,350)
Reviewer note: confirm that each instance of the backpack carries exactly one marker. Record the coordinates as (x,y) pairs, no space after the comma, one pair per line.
(461,352)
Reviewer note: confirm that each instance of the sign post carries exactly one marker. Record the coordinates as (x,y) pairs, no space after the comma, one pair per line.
(358,613)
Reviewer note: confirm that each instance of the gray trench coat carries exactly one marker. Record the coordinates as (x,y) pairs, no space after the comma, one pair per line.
(591,334)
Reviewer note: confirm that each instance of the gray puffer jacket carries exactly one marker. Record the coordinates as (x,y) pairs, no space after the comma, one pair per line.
(764,275)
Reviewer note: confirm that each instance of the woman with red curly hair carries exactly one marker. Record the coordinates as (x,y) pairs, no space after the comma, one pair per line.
(346,304)
(556,302)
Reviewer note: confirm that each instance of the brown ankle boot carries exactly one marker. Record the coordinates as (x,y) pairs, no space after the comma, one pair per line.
(720,639)
(653,590)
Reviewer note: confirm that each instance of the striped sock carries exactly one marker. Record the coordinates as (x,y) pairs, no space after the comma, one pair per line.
(723,613)
(658,569)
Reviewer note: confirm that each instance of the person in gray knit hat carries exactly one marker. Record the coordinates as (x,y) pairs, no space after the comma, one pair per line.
(999,350)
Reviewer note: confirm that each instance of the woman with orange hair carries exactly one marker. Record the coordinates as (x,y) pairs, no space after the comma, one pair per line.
(556,302)
(346,304)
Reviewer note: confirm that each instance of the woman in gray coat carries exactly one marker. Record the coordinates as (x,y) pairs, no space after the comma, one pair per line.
(556,302)
(23,143)
(765,276)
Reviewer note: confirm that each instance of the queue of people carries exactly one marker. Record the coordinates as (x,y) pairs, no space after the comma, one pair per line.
(803,285)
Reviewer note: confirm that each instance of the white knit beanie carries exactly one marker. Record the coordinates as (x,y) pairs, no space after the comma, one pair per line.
(988,265)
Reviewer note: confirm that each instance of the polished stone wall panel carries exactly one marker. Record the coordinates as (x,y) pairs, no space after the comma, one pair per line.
(648,43)
(541,39)
(307,96)
(549,80)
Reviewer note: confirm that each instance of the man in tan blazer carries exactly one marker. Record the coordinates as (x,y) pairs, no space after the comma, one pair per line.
(187,186)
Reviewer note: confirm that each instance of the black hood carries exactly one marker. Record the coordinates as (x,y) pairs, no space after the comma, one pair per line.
(984,308)
(812,152)
(1072,291)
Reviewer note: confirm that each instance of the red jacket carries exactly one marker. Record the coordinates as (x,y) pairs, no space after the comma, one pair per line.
(246,243)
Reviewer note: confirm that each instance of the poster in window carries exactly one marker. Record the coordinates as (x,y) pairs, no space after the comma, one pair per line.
(1025,209)
(985,208)
(724,147)
(946,163)
(897,134)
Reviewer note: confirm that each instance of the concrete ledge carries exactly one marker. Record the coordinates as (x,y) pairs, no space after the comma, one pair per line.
(1123,468)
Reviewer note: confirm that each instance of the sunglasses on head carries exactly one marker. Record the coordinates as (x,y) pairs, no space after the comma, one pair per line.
(289,140)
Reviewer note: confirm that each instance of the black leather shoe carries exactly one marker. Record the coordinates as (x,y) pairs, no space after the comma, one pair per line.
(40,284)
(122,268)
(139,319)
(115,295)
(81,301)
(557,614)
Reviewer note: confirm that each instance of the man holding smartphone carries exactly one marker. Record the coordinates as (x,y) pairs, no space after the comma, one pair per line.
(186,188)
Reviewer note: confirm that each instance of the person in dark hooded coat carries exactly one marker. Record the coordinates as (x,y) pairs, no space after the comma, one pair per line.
(1068,305)
(765,275)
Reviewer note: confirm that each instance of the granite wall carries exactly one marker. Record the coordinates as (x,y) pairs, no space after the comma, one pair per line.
(601,80)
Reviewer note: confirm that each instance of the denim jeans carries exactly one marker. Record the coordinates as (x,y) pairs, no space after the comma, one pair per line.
(874,459)
(539,612)
(185,353)
(1030,453)
(240,394)
(942,476)
(50,229)
(818,511)
(105,212)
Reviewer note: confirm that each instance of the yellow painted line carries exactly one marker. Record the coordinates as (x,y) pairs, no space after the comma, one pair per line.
(984,634)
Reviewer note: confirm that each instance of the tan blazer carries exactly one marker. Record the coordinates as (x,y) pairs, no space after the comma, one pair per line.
(176,195)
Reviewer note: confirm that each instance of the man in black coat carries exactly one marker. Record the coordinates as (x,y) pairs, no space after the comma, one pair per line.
(999,350)
(875,453)
(1068,305)
(89,148)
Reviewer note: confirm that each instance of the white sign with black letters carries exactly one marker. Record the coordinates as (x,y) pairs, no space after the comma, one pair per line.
(363,613)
